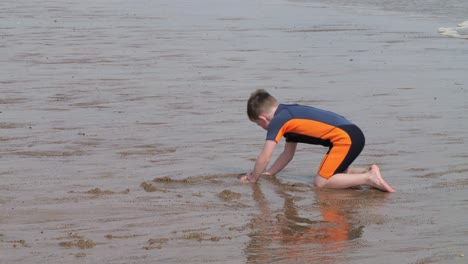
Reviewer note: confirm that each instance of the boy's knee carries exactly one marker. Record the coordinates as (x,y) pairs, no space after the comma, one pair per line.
(319,181)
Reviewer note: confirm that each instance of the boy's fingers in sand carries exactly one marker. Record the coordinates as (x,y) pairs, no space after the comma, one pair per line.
(245,179)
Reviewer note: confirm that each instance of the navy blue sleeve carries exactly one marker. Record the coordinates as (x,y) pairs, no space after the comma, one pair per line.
(277,123)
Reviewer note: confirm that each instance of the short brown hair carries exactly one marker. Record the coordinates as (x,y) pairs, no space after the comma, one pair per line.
(258,103)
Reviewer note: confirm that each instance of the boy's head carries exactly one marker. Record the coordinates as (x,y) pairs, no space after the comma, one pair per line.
(260,105)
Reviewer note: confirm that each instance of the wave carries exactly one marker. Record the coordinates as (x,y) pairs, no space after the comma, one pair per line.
(461,31)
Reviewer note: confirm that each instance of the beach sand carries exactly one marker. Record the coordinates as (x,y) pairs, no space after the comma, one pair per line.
(123,132)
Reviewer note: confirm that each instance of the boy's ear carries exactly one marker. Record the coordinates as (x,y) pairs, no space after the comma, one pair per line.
(262,117)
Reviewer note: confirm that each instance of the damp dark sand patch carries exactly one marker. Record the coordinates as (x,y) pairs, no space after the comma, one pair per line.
(200,236)
(464,155)
(69,128)
(167,180)
(442,173)
(109,236)
(81,243)
(92,104)
(97,192)
(11,125)
(228,195)
(6,139)
(147,150)
(77,241)
(91,143)
(52,109)
(63,98)
(150,123)
(413,118)
(461,183)
(155,243)
(158,243)
(416,169)
(380,155)
(12,101)
(49,154)
(242,228)
(143,98)
(214,179)
(295,186)
(21,242)
(149,187)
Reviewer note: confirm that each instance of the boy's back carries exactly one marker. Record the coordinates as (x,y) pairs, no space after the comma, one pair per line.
(309,112)
(298,121)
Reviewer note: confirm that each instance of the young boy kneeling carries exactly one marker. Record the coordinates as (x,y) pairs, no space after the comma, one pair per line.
(305,124)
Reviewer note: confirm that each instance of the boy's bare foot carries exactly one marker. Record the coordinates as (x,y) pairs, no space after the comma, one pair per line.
(377,180)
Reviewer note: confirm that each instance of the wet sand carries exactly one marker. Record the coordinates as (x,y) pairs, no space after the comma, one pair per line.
(123,131)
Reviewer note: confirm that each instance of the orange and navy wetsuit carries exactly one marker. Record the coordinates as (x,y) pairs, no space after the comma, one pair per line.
(306,124)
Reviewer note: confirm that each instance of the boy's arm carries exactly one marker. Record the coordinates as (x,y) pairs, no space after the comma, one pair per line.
(261,163)
(283,159)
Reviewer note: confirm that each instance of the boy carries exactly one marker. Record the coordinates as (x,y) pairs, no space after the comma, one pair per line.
(305,124)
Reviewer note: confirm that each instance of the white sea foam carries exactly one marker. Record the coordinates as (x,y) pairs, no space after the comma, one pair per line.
(461,31)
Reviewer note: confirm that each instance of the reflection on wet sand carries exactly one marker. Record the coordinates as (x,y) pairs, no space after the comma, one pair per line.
(289,238)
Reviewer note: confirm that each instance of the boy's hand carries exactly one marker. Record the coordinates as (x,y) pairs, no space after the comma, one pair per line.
(246,179)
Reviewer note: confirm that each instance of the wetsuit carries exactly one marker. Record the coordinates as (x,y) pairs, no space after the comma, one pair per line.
(305,124)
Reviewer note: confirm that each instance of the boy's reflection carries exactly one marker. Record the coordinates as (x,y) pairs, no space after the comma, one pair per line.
(286,236)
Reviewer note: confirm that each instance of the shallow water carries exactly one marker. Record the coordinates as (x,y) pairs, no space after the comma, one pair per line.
(123,132)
